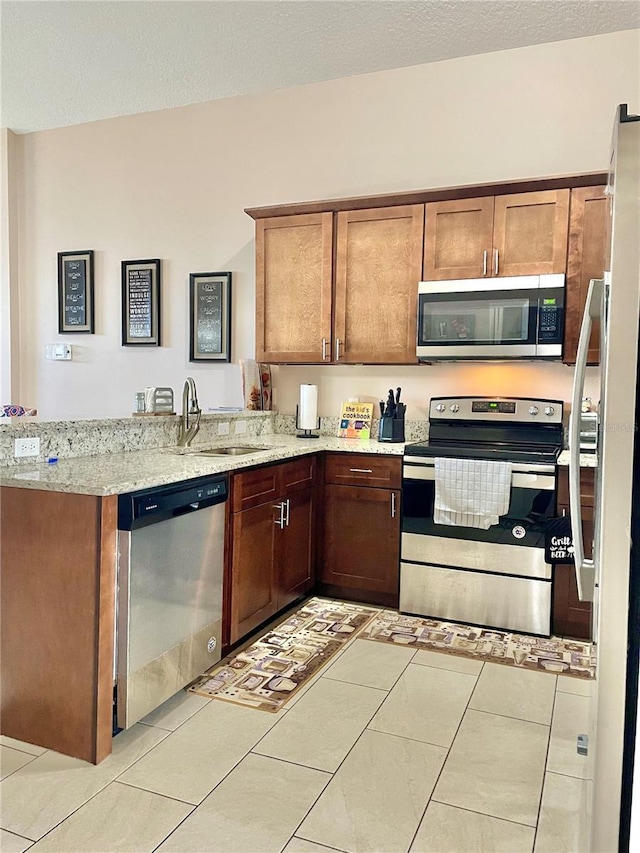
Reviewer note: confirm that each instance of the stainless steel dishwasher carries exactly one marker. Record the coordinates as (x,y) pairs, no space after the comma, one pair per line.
(169,600)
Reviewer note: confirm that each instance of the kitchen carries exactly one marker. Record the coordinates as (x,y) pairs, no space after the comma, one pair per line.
(187,239)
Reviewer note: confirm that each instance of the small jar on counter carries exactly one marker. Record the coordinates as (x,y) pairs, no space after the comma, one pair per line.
(138,402)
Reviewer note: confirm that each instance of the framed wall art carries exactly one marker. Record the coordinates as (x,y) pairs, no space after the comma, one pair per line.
(75,292)
(141,303)
(210,316)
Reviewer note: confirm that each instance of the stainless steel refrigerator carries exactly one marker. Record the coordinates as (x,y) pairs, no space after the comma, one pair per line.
(611,807)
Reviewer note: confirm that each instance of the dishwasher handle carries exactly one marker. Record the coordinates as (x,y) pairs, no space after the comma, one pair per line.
(151,506)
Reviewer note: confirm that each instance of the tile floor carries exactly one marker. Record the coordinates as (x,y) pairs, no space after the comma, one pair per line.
(386,750)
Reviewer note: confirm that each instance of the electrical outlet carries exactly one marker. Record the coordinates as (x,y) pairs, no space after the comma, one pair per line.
(223,429)
(240,427)
(26,447)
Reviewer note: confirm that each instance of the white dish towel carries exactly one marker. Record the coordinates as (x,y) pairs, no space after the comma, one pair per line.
(471,492)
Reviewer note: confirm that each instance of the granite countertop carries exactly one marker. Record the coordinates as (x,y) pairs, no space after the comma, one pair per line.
(118,473)
(587,460)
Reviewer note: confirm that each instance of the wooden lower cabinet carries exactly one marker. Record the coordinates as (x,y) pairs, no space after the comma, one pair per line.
(361,528)
(572,617)
(272,548)
(58,556)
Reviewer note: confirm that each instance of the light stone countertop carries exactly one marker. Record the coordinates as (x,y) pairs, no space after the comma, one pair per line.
(119,473)
(587,460)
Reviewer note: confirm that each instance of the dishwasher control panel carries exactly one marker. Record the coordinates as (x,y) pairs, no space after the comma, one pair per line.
(156,504)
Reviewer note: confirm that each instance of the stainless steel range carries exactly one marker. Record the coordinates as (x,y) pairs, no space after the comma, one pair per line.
(472,547)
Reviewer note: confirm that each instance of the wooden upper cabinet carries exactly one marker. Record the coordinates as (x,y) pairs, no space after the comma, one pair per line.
(378,267)
(293,288)
(458,238)
(504,235)
(588,235)
(530,233)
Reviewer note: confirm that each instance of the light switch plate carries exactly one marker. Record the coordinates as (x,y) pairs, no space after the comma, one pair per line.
(240,427)
(58,352)
(223,428)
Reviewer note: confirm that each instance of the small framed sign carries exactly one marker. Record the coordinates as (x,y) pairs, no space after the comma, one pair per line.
(558,541)
(210,316)
(141,303)
(75,292)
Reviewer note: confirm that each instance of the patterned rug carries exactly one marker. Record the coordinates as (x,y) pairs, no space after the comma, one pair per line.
(562,657)
(267,673)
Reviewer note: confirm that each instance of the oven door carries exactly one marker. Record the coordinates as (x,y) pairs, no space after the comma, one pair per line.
(520,317)
(495,577)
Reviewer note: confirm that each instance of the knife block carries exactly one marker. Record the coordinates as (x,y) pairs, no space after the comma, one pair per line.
(391,429)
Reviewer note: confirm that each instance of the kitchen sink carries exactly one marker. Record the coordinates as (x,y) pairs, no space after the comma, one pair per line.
(237,450)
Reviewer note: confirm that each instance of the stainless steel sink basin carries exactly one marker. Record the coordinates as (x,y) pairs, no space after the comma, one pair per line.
(238,450)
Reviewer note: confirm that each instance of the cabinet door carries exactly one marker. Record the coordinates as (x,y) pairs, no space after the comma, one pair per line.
(572,617)
(378,267)
(293,288)
(296,553)
(253,592)
(530,233)
(458,239)
(586,260)
(351,556)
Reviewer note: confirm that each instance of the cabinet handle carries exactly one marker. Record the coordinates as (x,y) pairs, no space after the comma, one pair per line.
(286,515)
(337,349)
(393,504)
(495,262)
(280,521)
(361,470)
(324,349)
(485,259)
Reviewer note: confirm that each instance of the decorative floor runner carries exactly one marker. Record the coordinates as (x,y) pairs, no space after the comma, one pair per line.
(267,674)
(564,657)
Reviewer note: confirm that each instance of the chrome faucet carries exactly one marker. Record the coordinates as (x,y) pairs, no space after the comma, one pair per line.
(189,428)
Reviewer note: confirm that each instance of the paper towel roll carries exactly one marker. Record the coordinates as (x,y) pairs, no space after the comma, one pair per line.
(308,408)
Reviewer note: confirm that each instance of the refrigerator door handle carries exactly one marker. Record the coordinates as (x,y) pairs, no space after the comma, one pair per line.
(585,569)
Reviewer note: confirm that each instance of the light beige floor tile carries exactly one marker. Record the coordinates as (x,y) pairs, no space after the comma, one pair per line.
(570,718)
(495,767)
(563,823)
(370,664)
(198,755)
(376,799)
(52,786)
(445,829)
(579,686)
(441,660)
(175,711)
(515,692)
(299,845)
(425,704)
(10,843)
(119,818)
(323,726)
(12,760)
(21,745)
(256,808)
(314,678)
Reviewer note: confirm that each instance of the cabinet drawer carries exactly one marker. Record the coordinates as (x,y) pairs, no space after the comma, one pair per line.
(587,486)
(255,487)
(363,469)
(297,475)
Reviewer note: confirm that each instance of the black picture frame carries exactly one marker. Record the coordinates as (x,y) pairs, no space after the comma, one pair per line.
(141,294)
(76,313)
(210,316)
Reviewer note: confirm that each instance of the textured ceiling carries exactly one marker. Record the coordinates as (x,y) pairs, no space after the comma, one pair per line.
(65,62)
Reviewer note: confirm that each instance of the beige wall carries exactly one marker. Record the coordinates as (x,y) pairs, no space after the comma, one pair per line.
(173,184)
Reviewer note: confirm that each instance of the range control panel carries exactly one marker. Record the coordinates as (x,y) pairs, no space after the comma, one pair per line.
(496,409)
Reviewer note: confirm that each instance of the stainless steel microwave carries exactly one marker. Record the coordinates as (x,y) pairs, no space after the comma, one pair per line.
(511,317)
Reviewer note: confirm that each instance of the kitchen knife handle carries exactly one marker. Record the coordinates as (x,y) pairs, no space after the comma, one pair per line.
(324,349)
(495,262)
(393,504)
(485,260)
(337,349)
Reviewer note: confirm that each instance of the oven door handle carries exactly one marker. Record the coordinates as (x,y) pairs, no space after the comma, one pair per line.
(519,480)
(585,569)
